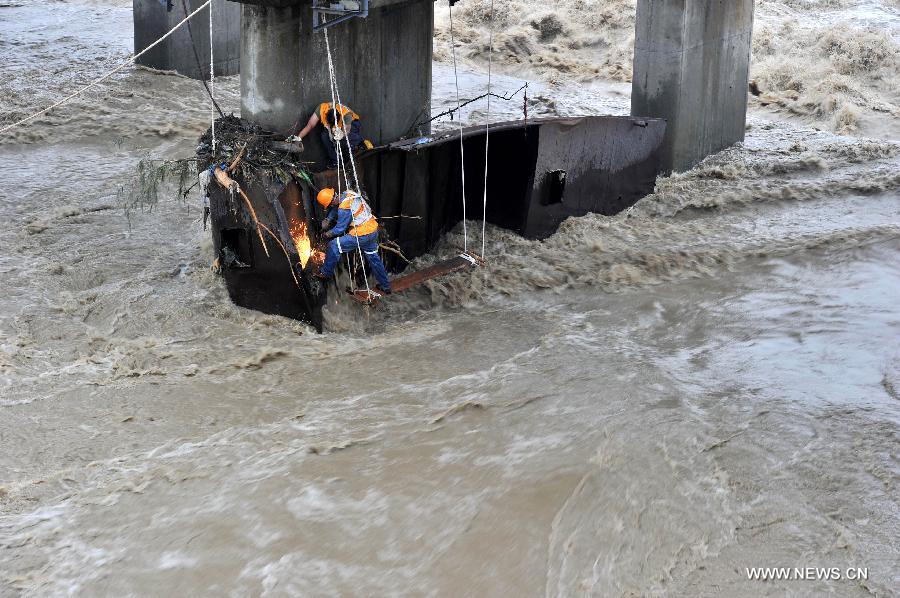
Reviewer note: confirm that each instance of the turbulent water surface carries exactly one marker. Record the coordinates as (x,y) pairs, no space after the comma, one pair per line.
(640,405)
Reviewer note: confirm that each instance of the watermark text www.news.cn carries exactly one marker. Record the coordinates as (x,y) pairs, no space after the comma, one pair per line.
(807,573)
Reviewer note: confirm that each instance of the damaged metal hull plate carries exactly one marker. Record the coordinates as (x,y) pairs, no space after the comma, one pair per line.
(262,264)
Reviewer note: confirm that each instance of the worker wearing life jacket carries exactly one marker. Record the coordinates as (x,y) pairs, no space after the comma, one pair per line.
(349,225)
(337,124)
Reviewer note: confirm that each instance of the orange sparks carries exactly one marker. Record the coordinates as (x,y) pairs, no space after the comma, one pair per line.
(304,245)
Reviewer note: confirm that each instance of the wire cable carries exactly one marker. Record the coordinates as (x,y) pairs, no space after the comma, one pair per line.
(104,77)
(487,133)
(462,151)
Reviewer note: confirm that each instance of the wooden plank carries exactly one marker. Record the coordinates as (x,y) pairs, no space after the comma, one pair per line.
(365,298)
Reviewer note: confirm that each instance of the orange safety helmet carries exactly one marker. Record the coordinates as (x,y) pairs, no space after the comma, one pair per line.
(325,197)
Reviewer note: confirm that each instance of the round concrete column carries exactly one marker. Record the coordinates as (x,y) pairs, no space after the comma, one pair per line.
(382,63)
(178,52)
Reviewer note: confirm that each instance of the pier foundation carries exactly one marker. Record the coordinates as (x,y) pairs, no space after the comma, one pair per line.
(691,67)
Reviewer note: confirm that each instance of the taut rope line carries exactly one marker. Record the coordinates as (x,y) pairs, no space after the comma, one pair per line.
(487,132)
(462,151)
(212,83)
(337,93)
(335,102)
(105,76)
(197,58)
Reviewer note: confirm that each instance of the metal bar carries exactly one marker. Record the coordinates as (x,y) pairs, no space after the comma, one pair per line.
(319,23)
(402,283)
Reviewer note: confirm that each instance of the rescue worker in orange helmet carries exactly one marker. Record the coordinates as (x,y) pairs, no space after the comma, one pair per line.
(337,123)
(349,225)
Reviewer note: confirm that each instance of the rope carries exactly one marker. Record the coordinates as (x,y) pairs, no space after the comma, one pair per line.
(462,151)
(104,77)
(487,133)
(350,274)
(335,102)
(212,82)
(197,58)
(337,94)
(337,149)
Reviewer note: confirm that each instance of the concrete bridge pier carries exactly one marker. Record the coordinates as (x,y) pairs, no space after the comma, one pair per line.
(691,67)
(153,18)
(383,66)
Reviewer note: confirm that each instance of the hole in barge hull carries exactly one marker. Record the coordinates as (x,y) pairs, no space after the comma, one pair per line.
(539,174)
(510,176)
(236,252)
(557,187)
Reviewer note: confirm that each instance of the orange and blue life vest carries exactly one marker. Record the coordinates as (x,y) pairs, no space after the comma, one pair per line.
(353,212)
(343,111)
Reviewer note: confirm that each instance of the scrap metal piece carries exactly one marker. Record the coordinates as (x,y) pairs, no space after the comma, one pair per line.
(454,264)
(462,261)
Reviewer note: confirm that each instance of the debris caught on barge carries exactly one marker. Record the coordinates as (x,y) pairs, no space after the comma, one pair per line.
(265,221)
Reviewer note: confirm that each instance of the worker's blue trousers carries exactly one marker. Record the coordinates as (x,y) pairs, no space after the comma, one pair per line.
(368,244)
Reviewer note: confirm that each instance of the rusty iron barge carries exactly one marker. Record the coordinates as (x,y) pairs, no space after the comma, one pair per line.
(266,227)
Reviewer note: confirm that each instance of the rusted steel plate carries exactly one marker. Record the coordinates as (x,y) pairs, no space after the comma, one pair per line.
(402,283)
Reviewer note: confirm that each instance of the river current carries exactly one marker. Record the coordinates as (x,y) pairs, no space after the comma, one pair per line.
(640,405)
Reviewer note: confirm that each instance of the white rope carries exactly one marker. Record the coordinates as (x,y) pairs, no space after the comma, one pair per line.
(362,262)
(487,132)
(337,149)
(350,274)
(212,82)
(462,151)
(336,92)
(335,102)
(103,77)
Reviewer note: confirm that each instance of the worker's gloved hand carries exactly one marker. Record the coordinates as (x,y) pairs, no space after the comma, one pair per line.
(329,235)
(327,224)
(294,139)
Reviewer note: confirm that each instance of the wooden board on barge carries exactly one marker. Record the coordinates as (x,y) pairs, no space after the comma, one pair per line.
(402,283)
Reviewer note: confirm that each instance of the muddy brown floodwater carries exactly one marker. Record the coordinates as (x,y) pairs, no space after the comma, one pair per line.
(645,404)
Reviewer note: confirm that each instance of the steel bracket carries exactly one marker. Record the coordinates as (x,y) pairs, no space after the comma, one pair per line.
(327,13)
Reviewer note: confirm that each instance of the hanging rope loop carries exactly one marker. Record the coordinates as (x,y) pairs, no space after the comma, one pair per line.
(212,82)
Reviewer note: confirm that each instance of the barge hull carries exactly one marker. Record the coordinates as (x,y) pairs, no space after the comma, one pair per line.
(539,173)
